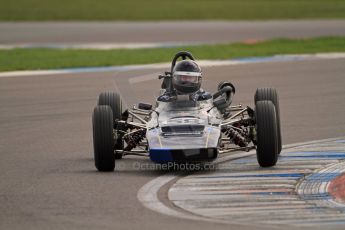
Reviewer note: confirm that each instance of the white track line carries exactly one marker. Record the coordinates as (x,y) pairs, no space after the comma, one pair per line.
(216,195)
(100,46)
(203,63)
(148,194)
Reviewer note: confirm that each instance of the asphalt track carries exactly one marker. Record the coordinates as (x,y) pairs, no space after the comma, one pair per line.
(47,176)
(168,33)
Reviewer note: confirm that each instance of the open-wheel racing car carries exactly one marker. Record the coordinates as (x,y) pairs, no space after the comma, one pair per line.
(187,124)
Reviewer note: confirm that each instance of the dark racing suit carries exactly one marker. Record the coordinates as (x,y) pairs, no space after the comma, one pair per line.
(200,95)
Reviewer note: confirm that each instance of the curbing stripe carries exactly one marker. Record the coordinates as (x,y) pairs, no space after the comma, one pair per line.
(204,63)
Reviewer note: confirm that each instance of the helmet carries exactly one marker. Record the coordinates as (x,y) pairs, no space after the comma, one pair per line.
(187,77)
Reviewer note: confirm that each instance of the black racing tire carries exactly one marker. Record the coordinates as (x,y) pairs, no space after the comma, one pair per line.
(113,100)
(266,129)
(270,94)
(103,138)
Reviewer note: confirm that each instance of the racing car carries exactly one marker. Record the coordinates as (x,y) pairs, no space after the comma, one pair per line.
(186,124)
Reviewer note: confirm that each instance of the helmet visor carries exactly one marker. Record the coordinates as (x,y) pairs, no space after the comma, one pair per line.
(187,77)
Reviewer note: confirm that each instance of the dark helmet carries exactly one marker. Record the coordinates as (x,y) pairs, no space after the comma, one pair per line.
(187,77)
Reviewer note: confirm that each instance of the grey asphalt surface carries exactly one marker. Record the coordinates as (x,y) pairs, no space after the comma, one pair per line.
(164,32)
(47,174)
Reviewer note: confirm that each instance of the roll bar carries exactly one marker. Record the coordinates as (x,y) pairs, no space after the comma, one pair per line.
(184,55)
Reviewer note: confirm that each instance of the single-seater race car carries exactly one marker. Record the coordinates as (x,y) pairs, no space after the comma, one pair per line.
(187,124)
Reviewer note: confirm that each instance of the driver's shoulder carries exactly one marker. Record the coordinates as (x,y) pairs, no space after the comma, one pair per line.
(203,95)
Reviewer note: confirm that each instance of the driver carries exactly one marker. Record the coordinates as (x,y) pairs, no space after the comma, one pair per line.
(186,80)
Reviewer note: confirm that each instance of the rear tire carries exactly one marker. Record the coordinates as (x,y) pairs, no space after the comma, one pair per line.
(270,94)
(103,138)
(113,100)
(266,129)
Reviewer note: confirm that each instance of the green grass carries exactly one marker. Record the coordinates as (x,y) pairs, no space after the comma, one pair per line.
(44,10)
(33,59)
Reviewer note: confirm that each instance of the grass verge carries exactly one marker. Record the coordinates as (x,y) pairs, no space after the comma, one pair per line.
(69,10)
(34,59)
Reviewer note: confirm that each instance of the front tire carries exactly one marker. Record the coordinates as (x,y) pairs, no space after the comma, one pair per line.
(266,129)
(113,100)
(270,94)
(103,138)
